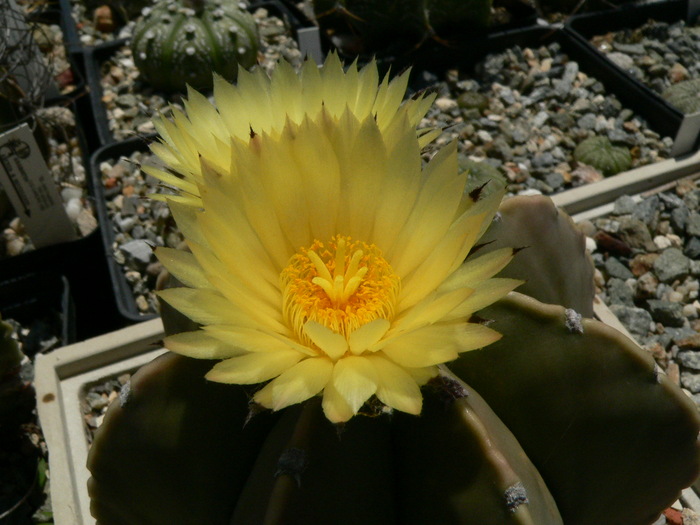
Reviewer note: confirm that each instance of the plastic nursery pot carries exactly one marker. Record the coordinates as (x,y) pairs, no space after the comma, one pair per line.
(600,80)
(302,30)
(661,115)
(62,381)
(119,187)
(64,376)
(40,302)
(39,307)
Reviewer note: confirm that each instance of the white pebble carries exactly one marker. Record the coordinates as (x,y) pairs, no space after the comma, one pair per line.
(444,104)
(73,209)
(662,242)
(591,245)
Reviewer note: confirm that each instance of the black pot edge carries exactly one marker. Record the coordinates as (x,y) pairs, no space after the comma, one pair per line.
(23,295)
(662,116)
(659,115)
(126,304)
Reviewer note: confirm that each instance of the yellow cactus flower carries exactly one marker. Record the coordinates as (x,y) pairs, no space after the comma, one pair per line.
(325,258)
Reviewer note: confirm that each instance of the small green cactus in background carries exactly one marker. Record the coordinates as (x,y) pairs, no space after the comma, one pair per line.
(181,42)
(10,383)
(684,95)
(600,153)
(370,26)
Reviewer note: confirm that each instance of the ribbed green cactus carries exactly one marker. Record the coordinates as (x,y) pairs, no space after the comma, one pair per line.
(684,95)
(599,152)
(181,42)
(370,26)
(10,384)
(572,423)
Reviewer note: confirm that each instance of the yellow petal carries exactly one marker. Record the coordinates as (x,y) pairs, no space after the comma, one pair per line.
(200,345)
(254,367)
(444,259)
(435,307)
(255,340)
(183,266)
(334,345)
(396,388)
(355,379)
(485,293)
(478,269)
(304,380)
(432,215)
(202,306)
(335,406)
(367,335)
(436,344)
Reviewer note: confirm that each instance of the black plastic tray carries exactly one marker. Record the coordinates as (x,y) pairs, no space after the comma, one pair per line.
(125,301)
(662,116)
(42,296)
(81,261)
(96,55)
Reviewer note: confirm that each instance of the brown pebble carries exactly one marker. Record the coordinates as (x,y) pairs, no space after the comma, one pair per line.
(673,517)
(613,245)
(642,263)
(103,19)
(128,191)
(673,373)
(659,354)
(689,343)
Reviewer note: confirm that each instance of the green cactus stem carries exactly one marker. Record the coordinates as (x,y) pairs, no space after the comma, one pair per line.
(684,95)
(599,152)
(371,27)
(181,42)
(590,409)
(553,262)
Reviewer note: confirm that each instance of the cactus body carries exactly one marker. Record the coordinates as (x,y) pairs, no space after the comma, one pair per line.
(376,25)
(179,42)
(684,95)
(564,428)
(603,156)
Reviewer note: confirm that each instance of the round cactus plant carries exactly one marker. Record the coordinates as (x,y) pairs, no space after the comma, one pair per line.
(181,42)
(389,374)
(599,152)
(372,27)
(684,95)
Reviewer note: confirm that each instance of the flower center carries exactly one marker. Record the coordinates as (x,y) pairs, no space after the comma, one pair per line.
(342,284)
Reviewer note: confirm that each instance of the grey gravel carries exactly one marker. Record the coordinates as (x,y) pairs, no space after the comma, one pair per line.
(663,313)
(541,105)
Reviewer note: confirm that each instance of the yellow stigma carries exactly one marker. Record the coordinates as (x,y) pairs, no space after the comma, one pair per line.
(342,285)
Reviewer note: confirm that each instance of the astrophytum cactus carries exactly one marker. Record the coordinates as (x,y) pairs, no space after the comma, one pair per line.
(181,42)
(373,27)
(394,382)
(600,153)
(684,95)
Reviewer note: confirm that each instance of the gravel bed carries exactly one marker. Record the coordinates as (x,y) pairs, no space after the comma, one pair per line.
(131,103)
(658,54)
(647,258)
(139,224)
(95,400)
(525,110)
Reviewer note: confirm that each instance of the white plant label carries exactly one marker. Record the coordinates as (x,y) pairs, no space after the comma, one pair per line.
(30,188)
